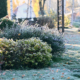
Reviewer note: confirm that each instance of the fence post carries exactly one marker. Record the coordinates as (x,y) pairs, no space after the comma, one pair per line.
(60,14)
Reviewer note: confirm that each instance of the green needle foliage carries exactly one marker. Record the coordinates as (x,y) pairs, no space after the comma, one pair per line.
(3,8)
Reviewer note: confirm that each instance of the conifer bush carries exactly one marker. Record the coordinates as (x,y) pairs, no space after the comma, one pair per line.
(4,22)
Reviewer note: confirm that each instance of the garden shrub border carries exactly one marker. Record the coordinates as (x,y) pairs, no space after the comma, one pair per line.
(56,41)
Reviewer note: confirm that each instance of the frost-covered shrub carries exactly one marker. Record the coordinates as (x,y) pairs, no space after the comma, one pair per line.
(21,33)
(7,49)
(57,43)
(10,33)
(32,53)
(49,36)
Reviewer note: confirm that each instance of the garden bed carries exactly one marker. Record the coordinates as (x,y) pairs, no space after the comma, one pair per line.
(65,68)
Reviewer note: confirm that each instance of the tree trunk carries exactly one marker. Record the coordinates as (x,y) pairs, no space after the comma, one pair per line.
(72,12)
(42,6)
(11,8)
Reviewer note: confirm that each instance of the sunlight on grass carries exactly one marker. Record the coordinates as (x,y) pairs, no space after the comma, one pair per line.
(74,45)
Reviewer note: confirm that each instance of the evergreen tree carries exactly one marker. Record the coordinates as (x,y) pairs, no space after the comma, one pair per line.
(3,8)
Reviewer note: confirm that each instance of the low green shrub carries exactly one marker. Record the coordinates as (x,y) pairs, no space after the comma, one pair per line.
(48,36)
(32,53)
(6,22)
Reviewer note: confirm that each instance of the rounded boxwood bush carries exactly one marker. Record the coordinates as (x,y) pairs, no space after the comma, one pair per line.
(6,22)
(32,53)
(7,49)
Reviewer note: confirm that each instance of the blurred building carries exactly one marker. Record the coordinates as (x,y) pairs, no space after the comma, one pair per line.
(24,11)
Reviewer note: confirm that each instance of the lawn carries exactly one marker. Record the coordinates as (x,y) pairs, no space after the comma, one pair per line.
(65,68)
